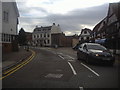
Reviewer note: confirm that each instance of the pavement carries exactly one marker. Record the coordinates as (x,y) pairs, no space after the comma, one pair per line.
(13,58)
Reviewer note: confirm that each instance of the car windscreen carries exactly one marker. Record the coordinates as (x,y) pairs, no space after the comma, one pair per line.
(96,47)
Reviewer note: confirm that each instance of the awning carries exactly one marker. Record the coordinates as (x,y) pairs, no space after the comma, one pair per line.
(101,41)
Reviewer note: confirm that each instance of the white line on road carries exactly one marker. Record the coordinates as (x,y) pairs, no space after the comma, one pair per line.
(90,69)
(71,60)
(61,57)
(81,88)
(70,57)
(74,72)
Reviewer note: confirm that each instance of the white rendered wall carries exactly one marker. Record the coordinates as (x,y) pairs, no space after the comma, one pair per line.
(10,27)
(0,22)
(55,29)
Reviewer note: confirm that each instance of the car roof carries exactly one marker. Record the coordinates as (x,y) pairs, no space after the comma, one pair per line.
(91,43)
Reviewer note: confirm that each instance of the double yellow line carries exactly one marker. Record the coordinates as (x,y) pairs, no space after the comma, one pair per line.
(14,69)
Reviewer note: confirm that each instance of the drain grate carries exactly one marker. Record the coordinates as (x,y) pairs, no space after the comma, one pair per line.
(54,75)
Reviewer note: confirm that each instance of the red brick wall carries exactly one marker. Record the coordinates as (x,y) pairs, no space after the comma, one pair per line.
(6,47)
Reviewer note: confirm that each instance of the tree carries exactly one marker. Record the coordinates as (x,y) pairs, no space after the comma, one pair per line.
(22,37)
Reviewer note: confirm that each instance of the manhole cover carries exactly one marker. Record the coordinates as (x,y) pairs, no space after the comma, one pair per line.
(54,75)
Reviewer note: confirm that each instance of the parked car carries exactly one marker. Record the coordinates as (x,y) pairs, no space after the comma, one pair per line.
(95,53)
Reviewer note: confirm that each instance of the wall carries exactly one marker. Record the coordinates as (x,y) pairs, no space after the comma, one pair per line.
(0,22)
(10,27)
(41,38)
(75,41)
(6,47)
(55,29)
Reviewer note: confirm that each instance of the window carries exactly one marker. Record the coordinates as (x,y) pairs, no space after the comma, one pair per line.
(87,38)
(48,41)
(5,16)
(2,37)
(41,35)
(37,36)
(85,32)
(44,41)
(34,36)
(48,35)
(9,38)
(81,38)
(44,35)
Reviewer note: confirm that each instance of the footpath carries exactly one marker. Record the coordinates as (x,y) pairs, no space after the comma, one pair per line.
(13,58)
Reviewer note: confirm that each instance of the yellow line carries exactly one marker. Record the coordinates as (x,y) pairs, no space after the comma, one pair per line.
(18,66)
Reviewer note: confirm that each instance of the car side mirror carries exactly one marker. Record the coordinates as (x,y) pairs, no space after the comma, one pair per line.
(85,49)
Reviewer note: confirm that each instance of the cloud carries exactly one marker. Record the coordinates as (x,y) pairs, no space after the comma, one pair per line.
(80,18)
(71,22)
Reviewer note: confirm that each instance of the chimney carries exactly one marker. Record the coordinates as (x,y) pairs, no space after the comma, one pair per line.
(36,26)
(53,23)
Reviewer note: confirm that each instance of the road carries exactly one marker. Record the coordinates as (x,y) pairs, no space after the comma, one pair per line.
(52,68)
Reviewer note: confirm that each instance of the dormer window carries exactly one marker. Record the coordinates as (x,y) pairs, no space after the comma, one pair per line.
(85,32)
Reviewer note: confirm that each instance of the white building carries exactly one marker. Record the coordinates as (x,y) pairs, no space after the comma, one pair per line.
(42,35)
(8,20)
(85,34)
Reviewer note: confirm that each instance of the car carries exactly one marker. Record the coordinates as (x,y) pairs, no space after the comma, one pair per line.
(95,53)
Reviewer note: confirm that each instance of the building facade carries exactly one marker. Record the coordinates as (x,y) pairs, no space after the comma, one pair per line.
(85,35)
(109,27)
(29,38)
(42,35)
(9,21)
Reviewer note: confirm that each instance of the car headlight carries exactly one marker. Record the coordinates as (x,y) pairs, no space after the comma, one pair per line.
(93,54)
(97,55)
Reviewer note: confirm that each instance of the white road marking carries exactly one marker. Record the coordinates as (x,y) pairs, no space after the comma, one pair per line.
(90,69)
(71,60)
(50,75)
(70,57)
(81,88)
(61,57)
(74,72)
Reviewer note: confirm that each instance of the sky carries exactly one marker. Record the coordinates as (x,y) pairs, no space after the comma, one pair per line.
(71,15)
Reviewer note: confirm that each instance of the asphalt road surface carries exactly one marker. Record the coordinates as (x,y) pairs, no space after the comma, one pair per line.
(58,69)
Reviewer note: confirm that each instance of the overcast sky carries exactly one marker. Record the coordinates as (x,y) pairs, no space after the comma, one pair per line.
(71,15)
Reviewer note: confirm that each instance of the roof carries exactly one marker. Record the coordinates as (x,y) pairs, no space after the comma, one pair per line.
(42,28)
(91,43)
(99,26)
(86,29)
(115,7)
